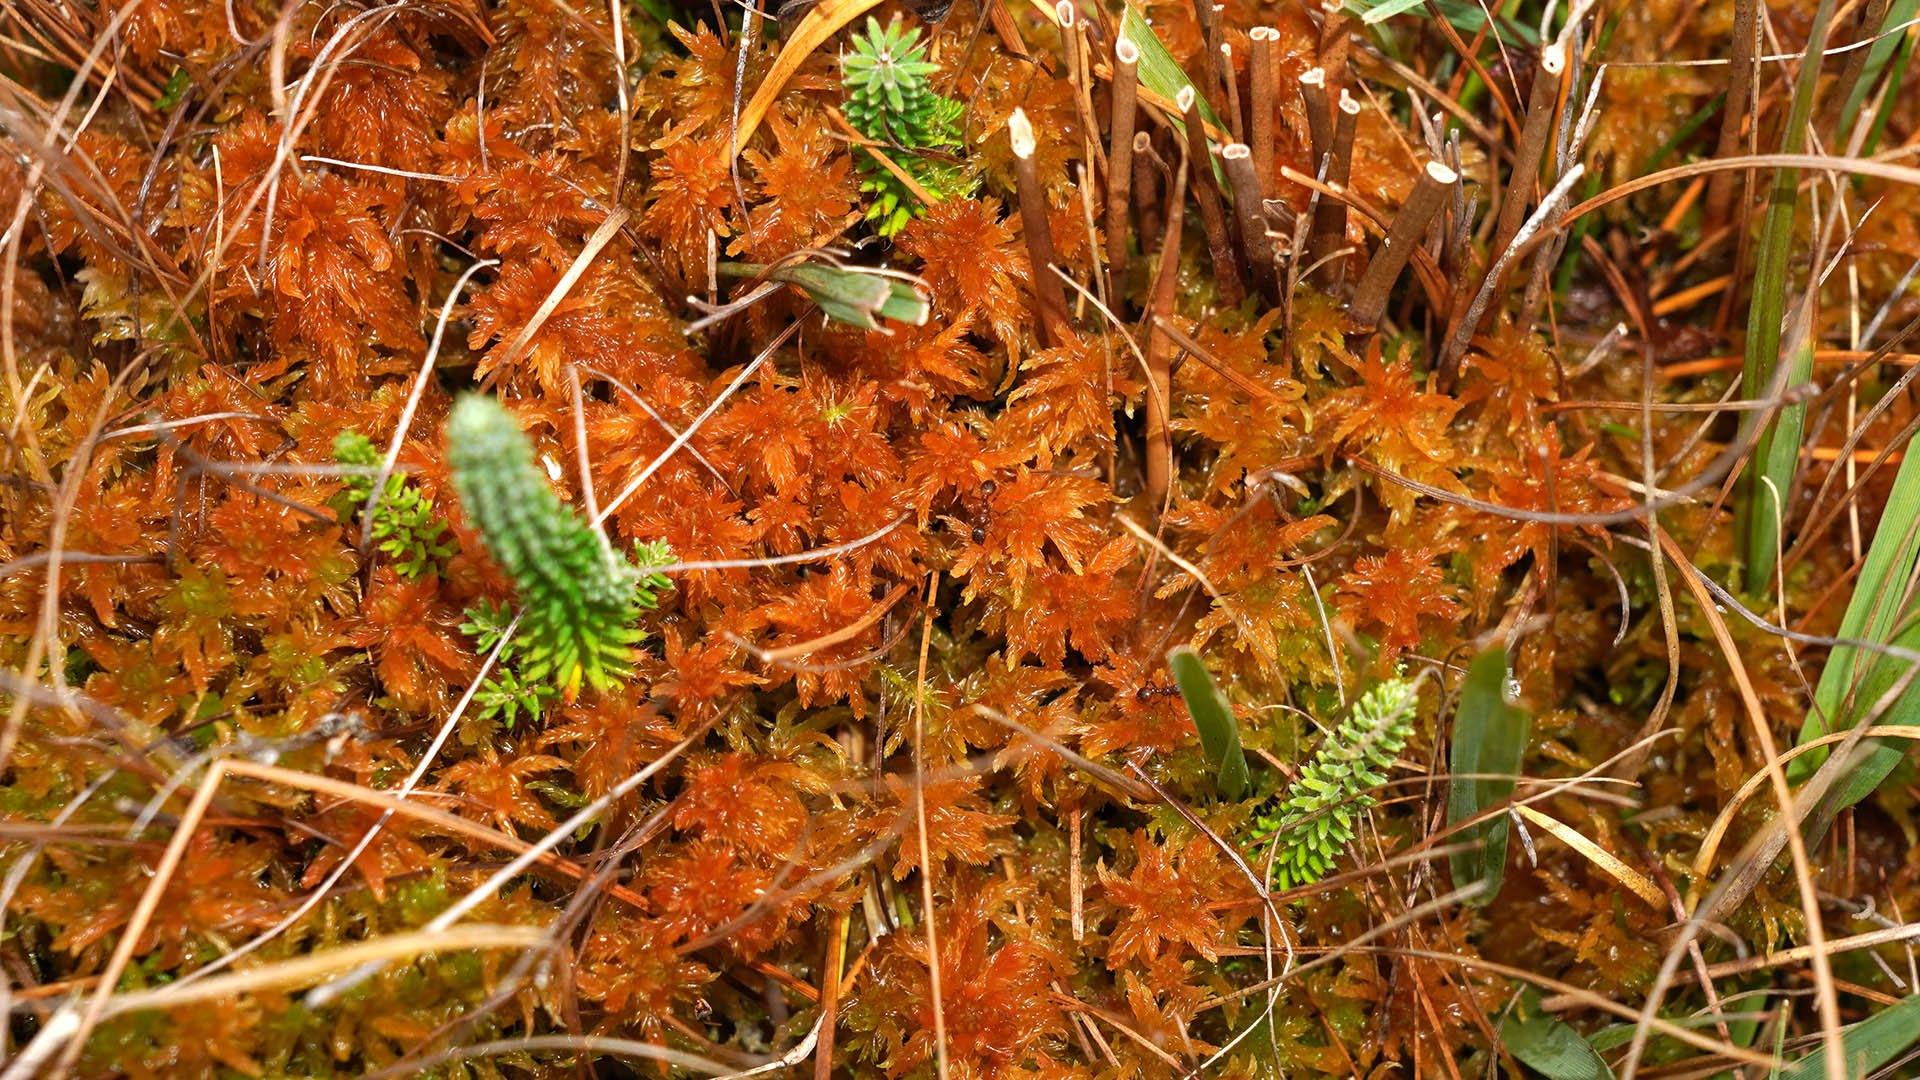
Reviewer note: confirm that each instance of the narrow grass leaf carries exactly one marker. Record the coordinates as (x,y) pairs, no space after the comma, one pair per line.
(1550,1047)
(1869,1044)
(1159,71)
(1489,737)
(1881,609)
(1766,478)
(1213,719)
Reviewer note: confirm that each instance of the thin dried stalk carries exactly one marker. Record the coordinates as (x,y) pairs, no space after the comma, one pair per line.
(1733,117)
(1126,84)
(1049,300)
(1211,33)
(1408,228)
(1264,59)
(1330,218)
(1213,217)
(1251,219)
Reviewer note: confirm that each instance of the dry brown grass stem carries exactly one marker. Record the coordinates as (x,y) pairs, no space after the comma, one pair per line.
(1049,301)
(1408,228)
(929,914)
(1213,215)
(1250,219)
(1121,114)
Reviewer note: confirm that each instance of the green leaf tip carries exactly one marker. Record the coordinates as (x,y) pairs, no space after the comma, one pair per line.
(1213,719)
(578,599)
(1317,819)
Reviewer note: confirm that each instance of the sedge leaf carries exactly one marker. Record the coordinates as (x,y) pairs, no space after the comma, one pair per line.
(1489,740)
(1213,719)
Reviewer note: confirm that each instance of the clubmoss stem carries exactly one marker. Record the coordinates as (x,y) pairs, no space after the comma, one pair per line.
(1049,300)
(1251,219)
(1409,226)
(1126,88)
(1213,216)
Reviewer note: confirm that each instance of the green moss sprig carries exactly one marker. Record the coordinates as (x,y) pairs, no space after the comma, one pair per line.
(405,525)
(579,600)
(890,100)
(1317,818)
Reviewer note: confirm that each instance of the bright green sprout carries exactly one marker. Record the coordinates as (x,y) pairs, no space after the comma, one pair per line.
(578,599)
(1316,821)
(404,524)
(857,295)
(890,100)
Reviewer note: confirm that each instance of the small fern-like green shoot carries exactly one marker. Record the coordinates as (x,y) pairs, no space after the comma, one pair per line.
(1316,821)
(405,524)
(890,100)
(578,599)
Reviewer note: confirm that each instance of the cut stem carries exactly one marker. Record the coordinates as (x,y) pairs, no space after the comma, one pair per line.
(1159,440)
(1213,217)
(1251,219)
(1542,105)
(1403,235)
(1264,59)
(1330,217)
(1126,86)
(1741,71)
(1313,94)
(1050,301)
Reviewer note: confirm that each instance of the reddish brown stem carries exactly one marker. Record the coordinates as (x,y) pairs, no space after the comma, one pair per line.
(1159,441)
(1733,115)
(1542,107)
(1148,170)
(1313,95)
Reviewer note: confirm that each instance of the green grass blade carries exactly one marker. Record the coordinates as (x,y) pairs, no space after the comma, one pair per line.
(1869,1044)
(1548,1046)
(1213,719)
(1781,439)
(1854,679)
(1489,737)
(1159,71)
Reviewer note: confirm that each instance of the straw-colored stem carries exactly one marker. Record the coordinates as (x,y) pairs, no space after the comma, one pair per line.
(1126,85)
(1264,60)
(1251,219)
(1050,301)
(1408,228)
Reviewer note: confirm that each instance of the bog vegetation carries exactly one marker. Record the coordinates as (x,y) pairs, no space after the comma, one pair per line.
(1011,541)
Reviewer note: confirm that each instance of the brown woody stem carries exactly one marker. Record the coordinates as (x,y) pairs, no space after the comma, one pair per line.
(1330,217)
(1050,300)
(1251,219)
(1403,235)
(1213,216)
(1264,58)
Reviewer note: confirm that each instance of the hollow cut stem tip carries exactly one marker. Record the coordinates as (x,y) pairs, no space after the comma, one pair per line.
(1314,77)
(1236,151)
(1553,58)
(1440,173)
(1064,11)
(1020,133)
(1184,99)
(1126,51)
(1348,103)
(1263,33)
